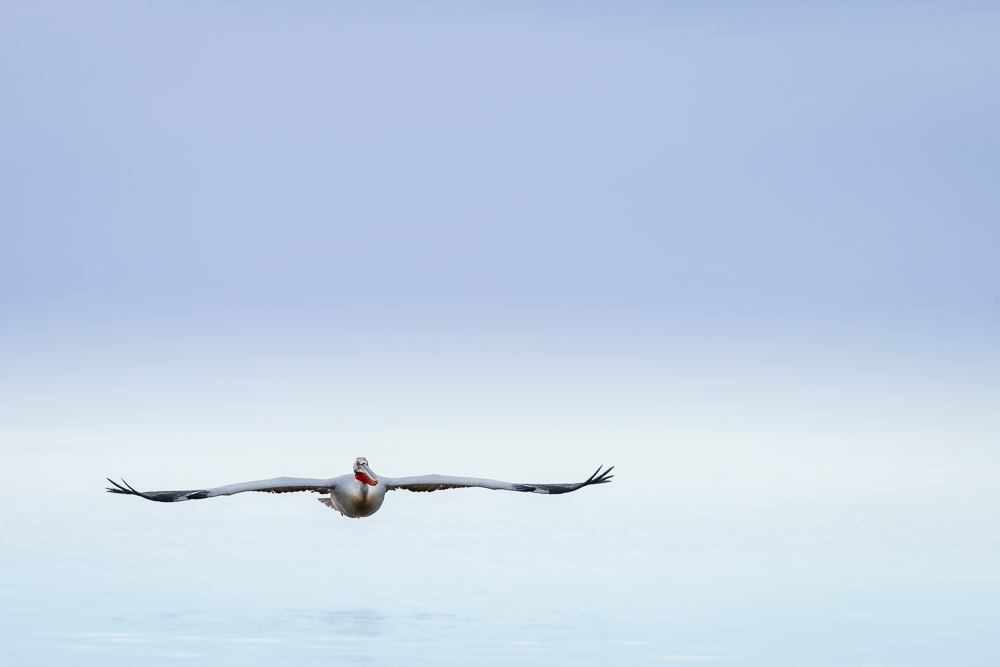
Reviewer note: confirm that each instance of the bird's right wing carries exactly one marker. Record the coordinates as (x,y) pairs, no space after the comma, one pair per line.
(276,485)
(440,482)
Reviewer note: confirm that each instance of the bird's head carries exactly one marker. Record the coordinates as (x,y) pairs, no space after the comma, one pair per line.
(363,473)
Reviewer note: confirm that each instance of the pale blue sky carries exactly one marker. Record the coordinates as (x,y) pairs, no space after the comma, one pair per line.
(660,194)
(331,165)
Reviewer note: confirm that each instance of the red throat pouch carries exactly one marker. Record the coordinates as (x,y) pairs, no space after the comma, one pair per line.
(365,478)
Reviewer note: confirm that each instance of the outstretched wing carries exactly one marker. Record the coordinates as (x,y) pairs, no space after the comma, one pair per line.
(276,485)
(439,482)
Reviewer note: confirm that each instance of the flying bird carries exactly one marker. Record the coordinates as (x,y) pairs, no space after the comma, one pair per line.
(360,494)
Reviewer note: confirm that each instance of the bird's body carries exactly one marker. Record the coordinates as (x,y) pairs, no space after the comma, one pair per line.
(361,494)
(354,498)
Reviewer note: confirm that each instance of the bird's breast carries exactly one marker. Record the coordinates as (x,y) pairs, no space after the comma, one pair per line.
(357,499)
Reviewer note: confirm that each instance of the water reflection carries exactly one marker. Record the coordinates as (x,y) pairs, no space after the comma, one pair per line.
(361,636)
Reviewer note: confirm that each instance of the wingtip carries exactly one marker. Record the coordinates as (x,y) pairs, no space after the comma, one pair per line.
(605,476)
(124,490)
(601,476)
(117,487)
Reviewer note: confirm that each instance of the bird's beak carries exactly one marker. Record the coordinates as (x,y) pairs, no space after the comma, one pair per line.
(364,473)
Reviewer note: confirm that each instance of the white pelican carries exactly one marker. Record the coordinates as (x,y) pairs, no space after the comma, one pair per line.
(360,494)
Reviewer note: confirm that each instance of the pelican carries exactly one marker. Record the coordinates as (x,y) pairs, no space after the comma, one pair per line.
(360,494)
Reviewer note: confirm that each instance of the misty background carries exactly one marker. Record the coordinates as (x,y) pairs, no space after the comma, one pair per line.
(749,255)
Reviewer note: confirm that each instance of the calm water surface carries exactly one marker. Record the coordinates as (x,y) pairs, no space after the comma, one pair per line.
(485,577)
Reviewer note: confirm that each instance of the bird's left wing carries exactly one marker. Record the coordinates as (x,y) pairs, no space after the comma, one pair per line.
(276,485)
(439,482)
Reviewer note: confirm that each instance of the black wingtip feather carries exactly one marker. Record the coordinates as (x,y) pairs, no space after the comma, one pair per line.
(138,493)
(604,477)
(597,478)
(126,489)
(158,496)
(118,488)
